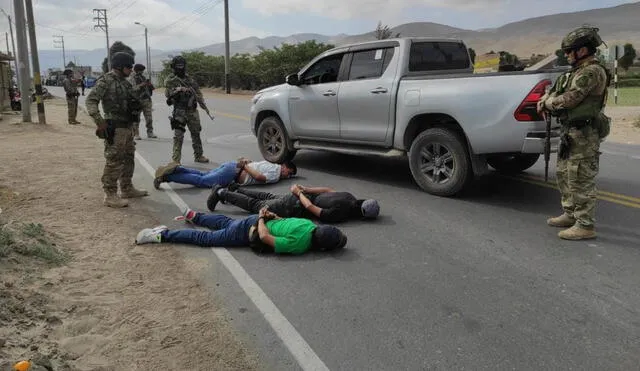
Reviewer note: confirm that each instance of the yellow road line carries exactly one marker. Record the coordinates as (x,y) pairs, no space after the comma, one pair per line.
(616,198)
(230,115)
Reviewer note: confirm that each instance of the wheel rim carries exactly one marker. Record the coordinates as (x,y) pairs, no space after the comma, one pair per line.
(437,163)
(273,141)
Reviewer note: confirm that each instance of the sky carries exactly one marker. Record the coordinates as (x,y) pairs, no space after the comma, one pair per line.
(184,24)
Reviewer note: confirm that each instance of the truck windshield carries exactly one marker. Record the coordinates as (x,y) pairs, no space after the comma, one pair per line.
(435,56)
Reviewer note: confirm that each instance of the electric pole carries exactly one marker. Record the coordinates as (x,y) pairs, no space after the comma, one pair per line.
(101,18)
(227,63)
(35,62)
(23,66)
(13,45)
(146,47)
(6,35)
(59,43)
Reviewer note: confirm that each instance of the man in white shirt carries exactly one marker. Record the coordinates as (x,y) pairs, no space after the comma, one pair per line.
(243,172)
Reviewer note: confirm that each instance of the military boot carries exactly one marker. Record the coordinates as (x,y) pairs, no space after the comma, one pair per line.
(111,199)
(201,159)
(132,192)
(577,233)
(564,221)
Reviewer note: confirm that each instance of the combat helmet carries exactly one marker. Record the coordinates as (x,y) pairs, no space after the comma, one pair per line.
(582,36)
(122,60)
(67,72)
(139,67)
(177,61)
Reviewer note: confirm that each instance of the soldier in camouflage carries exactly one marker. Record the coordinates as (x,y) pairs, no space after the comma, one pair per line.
(71,91)
(577,99)
(121,107)
(184,94)
(144,89)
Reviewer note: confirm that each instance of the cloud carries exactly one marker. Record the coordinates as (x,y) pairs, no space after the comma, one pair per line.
(195,24)
(343,10)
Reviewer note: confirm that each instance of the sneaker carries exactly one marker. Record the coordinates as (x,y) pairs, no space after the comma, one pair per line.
(213,198)
(157,182)
(150,235)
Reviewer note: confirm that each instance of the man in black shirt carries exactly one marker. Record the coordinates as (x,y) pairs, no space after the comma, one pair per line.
(323,203)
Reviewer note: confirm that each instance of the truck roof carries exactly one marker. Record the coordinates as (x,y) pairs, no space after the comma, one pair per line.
(397,40)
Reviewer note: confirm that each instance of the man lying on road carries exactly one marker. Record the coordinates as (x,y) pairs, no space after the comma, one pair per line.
(243,172)
(265,232)
(323,203)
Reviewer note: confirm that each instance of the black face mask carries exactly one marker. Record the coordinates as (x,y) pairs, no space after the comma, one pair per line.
(180,70)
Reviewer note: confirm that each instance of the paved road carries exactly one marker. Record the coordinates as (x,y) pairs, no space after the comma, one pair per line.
(478,282)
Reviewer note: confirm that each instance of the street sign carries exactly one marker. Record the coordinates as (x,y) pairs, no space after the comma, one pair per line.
(615,51)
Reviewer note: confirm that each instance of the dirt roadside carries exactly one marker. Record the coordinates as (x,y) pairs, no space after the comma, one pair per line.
(75,292)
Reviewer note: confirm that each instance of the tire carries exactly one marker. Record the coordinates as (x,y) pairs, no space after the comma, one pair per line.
(439,162)
(513,164)
(273,141)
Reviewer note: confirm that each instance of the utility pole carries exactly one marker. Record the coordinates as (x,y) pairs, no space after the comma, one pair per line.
(13,44)
(35,63)
(101,18)
(23,66)
(59,43)
(146,47)
(6,35)
(227,62)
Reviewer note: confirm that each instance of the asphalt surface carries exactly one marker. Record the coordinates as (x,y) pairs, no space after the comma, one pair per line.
(475,282)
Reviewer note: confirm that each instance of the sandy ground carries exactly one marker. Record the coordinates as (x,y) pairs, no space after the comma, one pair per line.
(75,292)
(626,124)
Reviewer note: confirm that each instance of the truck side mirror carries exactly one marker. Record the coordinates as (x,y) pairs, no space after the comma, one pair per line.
(293,79)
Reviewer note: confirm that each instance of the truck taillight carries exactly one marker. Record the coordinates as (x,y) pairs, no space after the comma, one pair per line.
(526,111)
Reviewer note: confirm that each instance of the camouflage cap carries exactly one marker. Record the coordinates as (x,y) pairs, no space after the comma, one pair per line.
(581,36)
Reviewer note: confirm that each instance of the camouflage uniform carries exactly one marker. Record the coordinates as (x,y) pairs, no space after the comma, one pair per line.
(185,114)
(71,90)
(117,97)
(578,99)
(144,94)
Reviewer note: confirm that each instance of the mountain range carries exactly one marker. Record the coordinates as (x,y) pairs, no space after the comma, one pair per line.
(540,35)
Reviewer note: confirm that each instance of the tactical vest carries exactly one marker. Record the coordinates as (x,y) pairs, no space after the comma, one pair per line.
(590,111)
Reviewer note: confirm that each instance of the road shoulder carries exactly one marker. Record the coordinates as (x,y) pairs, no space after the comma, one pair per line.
(79,294)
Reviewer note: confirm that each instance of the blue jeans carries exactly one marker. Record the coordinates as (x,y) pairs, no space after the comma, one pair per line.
(223,175)
(227,232)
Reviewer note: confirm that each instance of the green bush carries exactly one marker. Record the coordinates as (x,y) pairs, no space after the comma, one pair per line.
(249,72)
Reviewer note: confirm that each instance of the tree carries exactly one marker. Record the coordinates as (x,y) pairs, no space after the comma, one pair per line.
(472,54)
(384,32)
(562,59)
(116,47)
(629,56)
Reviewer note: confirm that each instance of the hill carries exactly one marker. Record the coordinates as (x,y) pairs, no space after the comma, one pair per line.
(542,35)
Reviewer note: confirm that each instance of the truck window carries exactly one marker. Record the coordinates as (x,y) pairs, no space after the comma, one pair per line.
(369,64)
(323,71)
(436,56)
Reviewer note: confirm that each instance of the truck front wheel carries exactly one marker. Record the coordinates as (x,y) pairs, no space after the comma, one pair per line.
(439,162)
(273,141)
(513,164)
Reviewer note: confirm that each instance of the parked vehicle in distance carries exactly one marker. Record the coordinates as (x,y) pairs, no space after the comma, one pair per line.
(414,97)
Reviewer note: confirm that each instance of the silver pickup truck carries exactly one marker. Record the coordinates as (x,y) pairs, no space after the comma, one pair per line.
(414,97)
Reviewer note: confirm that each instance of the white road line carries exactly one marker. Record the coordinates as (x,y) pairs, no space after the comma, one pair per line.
(301,351)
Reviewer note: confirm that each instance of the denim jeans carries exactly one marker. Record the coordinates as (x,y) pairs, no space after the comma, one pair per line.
(223,175)
(226,232)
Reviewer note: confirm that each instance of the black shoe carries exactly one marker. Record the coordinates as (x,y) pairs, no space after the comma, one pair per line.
(213,199)
(157,182)
(233,186)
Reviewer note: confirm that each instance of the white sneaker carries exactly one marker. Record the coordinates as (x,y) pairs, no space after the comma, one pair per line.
(150,235)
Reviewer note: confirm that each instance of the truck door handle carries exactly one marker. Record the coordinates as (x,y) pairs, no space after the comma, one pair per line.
(329,93)
(379,90)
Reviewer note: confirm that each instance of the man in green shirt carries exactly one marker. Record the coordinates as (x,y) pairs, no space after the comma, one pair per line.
(265,232)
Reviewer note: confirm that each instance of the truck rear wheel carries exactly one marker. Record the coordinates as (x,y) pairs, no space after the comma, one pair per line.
(514,163)
(439,162)
(273,141)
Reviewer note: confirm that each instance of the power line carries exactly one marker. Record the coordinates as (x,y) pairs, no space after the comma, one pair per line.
(198,12)
(101,18)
